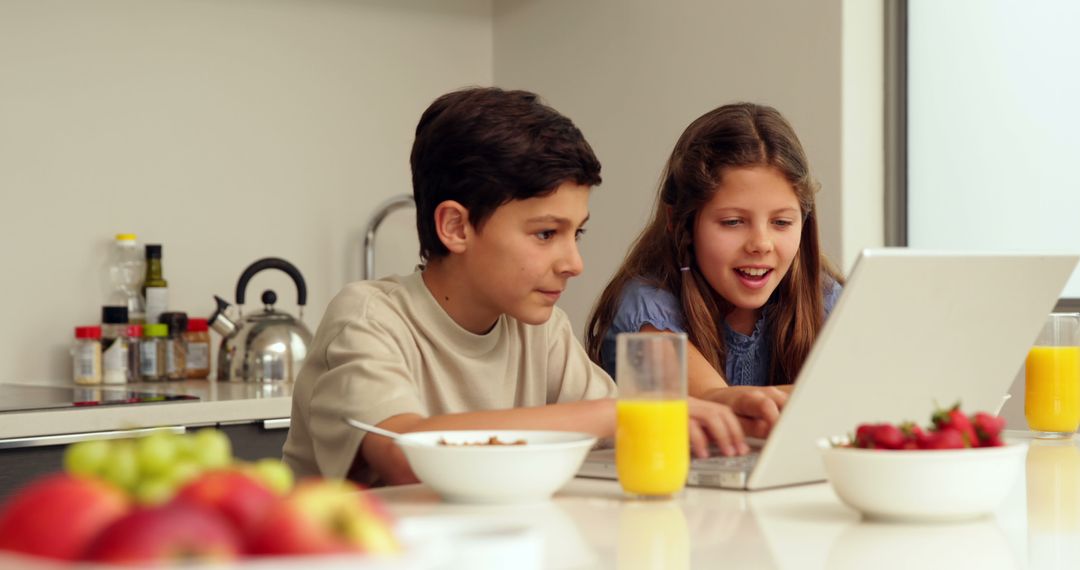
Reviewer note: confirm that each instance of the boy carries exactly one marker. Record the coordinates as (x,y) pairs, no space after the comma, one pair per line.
(474,339)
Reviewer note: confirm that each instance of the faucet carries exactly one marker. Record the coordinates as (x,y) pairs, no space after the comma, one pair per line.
(384,209)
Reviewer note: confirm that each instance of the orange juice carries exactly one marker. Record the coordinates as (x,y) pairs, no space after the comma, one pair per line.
(1052,389)
(652,446)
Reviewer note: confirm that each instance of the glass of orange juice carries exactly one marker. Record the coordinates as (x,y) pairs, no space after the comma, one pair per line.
(652,438)
(1052,378)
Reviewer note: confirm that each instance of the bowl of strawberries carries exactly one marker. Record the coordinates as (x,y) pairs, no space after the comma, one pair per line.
(956,468)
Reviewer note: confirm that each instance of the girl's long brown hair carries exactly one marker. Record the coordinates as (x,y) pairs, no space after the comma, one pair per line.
(732,136)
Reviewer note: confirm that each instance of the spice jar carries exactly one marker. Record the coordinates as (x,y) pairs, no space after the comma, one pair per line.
(152,352)
(175,348)
(86,355)
(114,345)
(197,338)
(134,338)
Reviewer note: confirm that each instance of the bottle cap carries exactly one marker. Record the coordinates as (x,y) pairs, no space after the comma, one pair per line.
(177,321)
(156,330)
(153,251)
(114,315)
(134,331)
(197,325)
(92,332)
(125,237)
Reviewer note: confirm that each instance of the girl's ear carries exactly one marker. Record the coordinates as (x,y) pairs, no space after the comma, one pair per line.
(452,225)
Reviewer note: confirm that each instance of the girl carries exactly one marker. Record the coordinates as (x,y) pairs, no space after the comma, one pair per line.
(732,258)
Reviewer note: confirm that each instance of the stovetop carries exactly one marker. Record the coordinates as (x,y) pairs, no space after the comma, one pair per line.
(22,398)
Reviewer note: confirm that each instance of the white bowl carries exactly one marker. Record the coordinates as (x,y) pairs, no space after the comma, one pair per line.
(922,485)
(495,473)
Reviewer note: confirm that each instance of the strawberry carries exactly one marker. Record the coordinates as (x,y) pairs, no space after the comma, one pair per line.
(955,419)
(988,429)
(946,438)
(878,436)
(888,436)
(864,436)
(914,436)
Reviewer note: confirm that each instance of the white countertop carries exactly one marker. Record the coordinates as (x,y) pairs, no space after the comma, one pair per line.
(589,524)
(219,402)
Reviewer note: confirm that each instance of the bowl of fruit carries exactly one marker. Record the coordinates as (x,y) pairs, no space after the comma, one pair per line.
(957,468)
(170,499)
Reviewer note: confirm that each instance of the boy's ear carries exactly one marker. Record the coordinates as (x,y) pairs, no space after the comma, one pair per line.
(452,225)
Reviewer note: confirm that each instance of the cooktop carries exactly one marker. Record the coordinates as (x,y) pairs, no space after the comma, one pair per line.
(21,398)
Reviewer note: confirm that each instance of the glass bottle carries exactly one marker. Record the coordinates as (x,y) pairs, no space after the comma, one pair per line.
(86,356)
(197,338)
(175,347)
(155,288)
(126,273)
(114,345)
(134,338)
(152,352)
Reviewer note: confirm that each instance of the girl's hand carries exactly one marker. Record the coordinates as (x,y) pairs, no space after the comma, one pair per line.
(757,408)
(710,421)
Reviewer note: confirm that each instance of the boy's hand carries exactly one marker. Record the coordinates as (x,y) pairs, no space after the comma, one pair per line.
(710,421)
(757,408)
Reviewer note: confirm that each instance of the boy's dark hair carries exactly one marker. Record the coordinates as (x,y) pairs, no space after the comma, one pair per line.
(483,147)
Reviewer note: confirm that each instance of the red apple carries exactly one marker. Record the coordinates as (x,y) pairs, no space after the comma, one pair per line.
(325,516)
(173,533)
(239,497)
(58,516)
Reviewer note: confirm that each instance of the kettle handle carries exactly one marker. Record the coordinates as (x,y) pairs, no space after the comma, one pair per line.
(272,263)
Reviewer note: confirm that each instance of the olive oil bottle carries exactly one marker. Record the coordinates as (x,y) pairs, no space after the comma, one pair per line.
(155,288)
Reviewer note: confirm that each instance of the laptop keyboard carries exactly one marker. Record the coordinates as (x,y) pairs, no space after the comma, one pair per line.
(712,471)
(735,463)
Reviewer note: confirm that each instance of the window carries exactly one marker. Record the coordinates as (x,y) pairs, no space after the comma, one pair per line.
(992,141)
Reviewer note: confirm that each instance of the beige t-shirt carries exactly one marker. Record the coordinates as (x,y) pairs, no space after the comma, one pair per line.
(387,347)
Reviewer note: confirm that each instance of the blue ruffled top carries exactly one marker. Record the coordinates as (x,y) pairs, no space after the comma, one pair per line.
(747,355)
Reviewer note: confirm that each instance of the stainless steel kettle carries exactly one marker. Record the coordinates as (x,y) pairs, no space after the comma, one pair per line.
(264,347)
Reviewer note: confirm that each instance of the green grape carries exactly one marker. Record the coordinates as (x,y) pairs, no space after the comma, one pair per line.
(156,453)
(185,447)
(213,450)
(182,472)
(274,474)
(122,466)
(86,457)
(154,491)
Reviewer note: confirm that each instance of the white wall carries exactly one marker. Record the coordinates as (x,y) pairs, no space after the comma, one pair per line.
(227,131)
(632,74)
(862,152)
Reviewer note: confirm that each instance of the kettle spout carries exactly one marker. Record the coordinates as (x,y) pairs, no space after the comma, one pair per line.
(219,321)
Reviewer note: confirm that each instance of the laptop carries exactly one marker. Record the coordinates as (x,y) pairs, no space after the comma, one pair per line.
(911,329)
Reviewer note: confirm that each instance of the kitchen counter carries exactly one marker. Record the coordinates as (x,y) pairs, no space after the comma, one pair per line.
(589,524)
(218,403)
